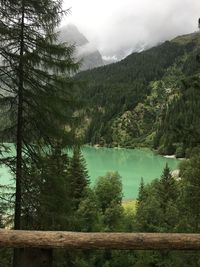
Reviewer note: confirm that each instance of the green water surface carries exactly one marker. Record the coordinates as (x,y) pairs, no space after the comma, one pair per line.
(131,164)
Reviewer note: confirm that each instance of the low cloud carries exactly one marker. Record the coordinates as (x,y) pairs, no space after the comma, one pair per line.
(86,49)
(118,27)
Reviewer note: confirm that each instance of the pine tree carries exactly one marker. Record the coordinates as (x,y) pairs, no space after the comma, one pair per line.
(142,192)
(190,172)
(47,189)
(88,215)
(78,176)
(167,188)
(36,84)
(35,78)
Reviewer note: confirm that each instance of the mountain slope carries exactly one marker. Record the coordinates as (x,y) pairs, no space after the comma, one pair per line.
(126,100)
(84,51)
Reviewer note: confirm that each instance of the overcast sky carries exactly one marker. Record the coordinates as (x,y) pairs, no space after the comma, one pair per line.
(112,25)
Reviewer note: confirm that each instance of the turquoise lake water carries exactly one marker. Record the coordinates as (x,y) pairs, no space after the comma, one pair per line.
(131,164)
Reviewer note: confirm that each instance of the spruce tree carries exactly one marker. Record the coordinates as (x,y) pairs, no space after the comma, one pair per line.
(78,176)
(142,192)
(35,78)
(190,172)
(36,85)
(47,188)
(167,188)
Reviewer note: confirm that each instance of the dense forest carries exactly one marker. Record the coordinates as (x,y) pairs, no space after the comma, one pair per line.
(48,112)
(128,102)
(164,205)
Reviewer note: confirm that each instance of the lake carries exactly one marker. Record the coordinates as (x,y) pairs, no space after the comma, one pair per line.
(131,164)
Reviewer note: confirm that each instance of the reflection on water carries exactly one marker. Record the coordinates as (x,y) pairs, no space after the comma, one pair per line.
(132,164)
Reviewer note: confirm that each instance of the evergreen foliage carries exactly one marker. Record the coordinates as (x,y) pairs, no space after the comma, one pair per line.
(79,178)
(47,187)
(171,206)
(190,172)
(36,89)
(149,98)
(108,189)
(89,214)
(141,192)
(36,93)
(179,126)
(141,100)
(35,81)
(165,205)
(167,188)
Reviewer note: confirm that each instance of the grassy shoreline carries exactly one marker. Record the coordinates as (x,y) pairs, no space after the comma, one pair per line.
(129,204)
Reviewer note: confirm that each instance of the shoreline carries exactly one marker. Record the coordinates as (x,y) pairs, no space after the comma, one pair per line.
(97,146)
(172,157)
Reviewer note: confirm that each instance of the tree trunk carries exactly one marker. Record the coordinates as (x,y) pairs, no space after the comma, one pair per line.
(17,217)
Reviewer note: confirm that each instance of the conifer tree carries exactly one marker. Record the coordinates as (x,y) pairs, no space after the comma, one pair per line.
(142,191)
(35,84)
(47,189)
(190,172)
(34,77)
(78,176)
(88,215)
(167,188)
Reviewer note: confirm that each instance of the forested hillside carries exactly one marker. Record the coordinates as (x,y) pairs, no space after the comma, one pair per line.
(127,102)
(47,110)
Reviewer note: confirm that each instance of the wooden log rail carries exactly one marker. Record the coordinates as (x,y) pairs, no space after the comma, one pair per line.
(75,240)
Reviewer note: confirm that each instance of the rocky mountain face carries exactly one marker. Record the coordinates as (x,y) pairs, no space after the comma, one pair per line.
(84,51)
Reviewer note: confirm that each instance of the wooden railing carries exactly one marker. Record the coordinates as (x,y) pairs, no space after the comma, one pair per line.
(77,240)
(42,242)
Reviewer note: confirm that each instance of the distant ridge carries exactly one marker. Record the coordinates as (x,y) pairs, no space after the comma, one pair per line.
(90,56)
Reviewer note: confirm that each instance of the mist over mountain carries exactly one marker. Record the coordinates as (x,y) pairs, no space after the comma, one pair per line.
(125,51)
(84,50)
(87,52)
